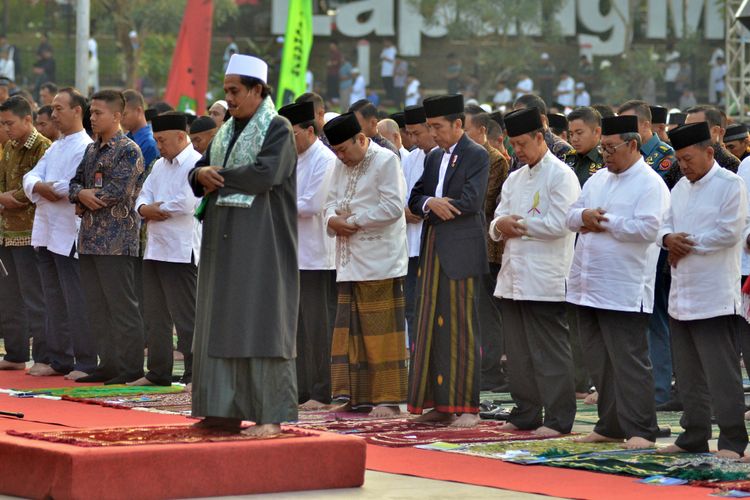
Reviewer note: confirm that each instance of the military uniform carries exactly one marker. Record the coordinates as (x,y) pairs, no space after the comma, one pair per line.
(658,155)
(585,165)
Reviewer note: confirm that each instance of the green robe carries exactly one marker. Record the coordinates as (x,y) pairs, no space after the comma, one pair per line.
(248,289)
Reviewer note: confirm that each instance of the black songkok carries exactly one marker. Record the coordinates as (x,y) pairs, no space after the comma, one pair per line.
(736,132)
(443,105)
(522,121)
(414,115)
(169,121)
(658,114)
(557,121)
(201,124)
(616,125)
(298,113)
(688,135)
(342,128)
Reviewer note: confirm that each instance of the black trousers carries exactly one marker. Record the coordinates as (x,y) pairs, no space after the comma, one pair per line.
(410,290)
(540,364)
(317,314)
(708,370)
(615,347)
(169,301)
(22,308)
(70,343)
(491,328)
(108,284)
(580,371)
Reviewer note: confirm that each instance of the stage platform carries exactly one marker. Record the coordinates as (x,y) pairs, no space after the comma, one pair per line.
(36,468)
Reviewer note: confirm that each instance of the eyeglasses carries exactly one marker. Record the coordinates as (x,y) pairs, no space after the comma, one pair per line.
(610,150)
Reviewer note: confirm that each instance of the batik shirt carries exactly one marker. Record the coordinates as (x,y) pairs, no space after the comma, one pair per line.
(115,170)
(16,160)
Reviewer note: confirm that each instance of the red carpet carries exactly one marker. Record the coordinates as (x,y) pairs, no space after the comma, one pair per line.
(39,469)
(526,478)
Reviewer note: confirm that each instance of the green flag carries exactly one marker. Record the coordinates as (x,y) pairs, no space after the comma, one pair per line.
(297,45)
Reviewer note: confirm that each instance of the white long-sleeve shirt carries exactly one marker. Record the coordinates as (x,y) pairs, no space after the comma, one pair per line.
(413,167)
(55,222)
(713,211)
(316,251)
(616,269)
(173,239)
(373,192)
(566,92)
(536,266)
(744,172)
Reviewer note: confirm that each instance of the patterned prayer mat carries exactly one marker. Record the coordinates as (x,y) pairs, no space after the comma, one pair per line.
(96,391)
(401,431)
(135,436)
(177,403)
(610,458)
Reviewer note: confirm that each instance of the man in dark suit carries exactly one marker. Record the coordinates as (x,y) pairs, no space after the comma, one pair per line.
(450,196)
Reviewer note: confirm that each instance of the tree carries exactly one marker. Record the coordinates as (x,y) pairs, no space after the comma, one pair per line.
(147,18)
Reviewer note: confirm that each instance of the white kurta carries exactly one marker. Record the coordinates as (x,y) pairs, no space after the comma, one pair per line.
(566,92)
(373,192)
(413,167)
(616,269)
(173,239)
(55,222)
(713,211)
(536,266)
(316,251)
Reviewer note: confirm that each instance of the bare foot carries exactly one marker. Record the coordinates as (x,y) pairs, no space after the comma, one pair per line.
(385,411)
(312,405)
(263,430)
(731,455)
(189,387)
(638,443)
(466,420)
(9,365)
(672,448)
(591,399)
(546,432)
(220,423)
(747,415)
(595,437)
(75,375)
(43,371)
(582,395)
(143,381)
(507,426)
(434,416)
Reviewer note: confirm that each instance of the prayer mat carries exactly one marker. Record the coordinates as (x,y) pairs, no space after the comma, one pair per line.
(178,403)
(136,436)
(399,432)
(705,469)
(96,391)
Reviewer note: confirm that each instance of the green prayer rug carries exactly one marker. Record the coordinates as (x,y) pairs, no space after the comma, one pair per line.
(96,391)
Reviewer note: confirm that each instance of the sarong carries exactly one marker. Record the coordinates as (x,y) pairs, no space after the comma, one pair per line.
(446,370)
(368,353)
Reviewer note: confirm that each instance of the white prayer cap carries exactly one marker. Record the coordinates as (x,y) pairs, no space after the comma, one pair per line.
(132,34)
(580,85)
(222,103)
(472,102)
(486,107)
(355,70)
(545,56)
(240,64)
(329,116)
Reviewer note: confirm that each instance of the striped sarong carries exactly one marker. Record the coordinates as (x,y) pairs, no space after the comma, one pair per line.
(368,352)
(446,370)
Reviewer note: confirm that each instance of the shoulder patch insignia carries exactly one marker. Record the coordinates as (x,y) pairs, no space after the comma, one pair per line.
(665,164)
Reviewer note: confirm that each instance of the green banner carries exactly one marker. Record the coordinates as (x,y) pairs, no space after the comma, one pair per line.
(297,45)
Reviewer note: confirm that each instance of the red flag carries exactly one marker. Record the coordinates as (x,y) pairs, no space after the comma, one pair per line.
(188,77)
